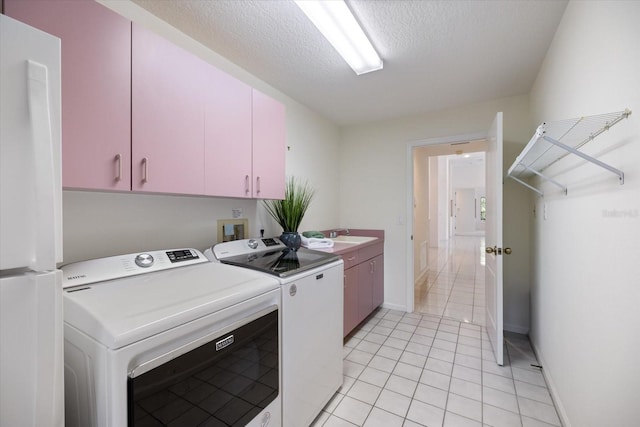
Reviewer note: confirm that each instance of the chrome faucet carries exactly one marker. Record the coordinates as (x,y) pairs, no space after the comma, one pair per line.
(334,233)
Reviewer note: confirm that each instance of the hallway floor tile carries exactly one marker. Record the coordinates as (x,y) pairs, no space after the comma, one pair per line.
(454,283)
(425,370)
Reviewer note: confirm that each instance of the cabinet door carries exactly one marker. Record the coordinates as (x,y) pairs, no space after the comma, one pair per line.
(378,281)
(269,140)
(168,92)
(365,289)
(96,88)
(350,300)
(227,136)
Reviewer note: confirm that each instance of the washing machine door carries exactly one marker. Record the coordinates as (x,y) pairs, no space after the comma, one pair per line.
(228,380)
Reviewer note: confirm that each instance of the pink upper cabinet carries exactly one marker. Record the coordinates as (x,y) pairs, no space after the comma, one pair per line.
(168,93)
(96,86)
(227,136)
(269,140)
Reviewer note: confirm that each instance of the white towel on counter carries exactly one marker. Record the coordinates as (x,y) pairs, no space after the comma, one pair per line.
(316,243)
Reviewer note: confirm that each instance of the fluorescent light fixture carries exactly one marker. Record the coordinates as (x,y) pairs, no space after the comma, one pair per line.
(336,22)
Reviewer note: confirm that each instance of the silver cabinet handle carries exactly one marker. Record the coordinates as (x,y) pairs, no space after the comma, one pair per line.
(371,270)
(246,184)
(145,169)
(118,167)
(258,185)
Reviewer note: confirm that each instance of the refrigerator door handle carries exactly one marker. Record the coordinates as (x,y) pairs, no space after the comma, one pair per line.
(40,112)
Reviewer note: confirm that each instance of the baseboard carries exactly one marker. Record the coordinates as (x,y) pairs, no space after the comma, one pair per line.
(394,307)
(421,277)
(564,419)
(516,329)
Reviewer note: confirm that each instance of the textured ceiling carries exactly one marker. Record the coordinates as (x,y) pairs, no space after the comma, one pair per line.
(437,54)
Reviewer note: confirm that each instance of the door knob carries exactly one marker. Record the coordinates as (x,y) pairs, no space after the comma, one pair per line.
(490,250)
(507,251)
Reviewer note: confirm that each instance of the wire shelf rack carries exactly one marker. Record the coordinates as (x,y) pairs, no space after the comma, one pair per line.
(554,141)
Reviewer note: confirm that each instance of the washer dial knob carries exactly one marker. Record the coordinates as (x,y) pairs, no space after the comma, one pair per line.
(144,260)
(252,243)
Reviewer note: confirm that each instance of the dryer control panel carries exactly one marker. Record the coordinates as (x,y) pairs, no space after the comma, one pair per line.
(115,267)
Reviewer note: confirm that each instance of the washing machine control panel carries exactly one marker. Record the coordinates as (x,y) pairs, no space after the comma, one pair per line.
(182,255)
(115,267)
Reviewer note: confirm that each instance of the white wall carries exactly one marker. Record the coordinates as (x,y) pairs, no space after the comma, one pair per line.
(443,200)
(586,292)
(374,179)
(434,198)
(466,174)
(103,224)
(517,211)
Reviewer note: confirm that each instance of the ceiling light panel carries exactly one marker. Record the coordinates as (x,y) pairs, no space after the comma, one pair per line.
(336,22)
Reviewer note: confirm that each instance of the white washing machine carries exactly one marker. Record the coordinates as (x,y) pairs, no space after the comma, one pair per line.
(169,338)
(312,319)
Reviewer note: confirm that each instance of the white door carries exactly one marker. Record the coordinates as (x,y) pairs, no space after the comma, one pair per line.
(493,239)
(465,205)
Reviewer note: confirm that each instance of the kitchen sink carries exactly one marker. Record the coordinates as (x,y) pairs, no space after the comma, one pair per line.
(354,240)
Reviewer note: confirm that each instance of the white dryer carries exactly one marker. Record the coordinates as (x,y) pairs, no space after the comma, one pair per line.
(169,338)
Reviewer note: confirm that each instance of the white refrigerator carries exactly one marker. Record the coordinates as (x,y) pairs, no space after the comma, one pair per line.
(31,337)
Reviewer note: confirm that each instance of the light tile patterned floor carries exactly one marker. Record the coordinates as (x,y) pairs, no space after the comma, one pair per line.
(435,367)
(454,283)
(407,369)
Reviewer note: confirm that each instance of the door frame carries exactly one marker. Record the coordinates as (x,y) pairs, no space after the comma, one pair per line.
(411,145)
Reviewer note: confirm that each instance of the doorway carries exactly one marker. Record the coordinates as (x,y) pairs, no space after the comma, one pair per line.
(468,190)
(431,199)
(449,281)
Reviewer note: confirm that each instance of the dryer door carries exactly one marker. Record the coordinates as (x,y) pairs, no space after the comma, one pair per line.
(228,380)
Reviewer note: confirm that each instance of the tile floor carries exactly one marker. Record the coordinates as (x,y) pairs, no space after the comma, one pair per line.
(410,370)
(454,283)
(435,367)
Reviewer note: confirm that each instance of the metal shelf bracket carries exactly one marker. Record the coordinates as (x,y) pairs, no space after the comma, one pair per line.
(586,157)
(553,141)
(530,187)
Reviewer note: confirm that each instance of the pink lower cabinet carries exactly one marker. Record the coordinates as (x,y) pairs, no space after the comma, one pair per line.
(268,148)
(168,116)
(96,88)
(350,300)
(364,284)
(365,290)
(377,290)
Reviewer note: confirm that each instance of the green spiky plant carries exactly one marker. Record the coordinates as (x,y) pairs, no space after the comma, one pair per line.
(290,211)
